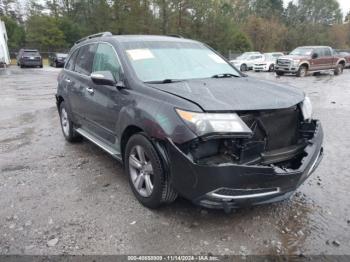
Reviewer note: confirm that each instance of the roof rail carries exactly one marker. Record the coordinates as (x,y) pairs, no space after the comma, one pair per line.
(174,35)
(94,36)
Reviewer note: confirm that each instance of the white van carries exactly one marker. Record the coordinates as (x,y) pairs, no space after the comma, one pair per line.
(4,52)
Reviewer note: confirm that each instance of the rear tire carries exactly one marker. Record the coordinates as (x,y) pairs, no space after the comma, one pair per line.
(302,71)
(339,69)
(279,73)
(67,125)
(148,178)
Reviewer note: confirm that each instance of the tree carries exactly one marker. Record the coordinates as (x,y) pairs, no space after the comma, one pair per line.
(15,33)
(6,6)
(43,33)
(319,12)
(267,8)
(265,34)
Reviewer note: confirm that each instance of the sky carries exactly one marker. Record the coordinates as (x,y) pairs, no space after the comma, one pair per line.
(344,5)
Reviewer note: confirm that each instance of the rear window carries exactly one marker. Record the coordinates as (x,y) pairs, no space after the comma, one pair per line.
(85,59)
(30,53)
(71,62)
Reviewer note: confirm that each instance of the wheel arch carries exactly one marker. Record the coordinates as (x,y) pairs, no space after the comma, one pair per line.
(128,132)
(304,64)
(59,100)
(342,62)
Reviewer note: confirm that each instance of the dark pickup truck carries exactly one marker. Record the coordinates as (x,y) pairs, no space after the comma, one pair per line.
(310,59)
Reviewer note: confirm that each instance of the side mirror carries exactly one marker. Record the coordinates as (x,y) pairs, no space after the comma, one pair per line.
(314,56)
(103,78)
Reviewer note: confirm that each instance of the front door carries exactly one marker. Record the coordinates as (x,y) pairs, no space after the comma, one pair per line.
(104,101)
(316,63)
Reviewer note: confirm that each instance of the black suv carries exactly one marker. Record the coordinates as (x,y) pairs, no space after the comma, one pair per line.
(29,58)
(57,59)
(184,121)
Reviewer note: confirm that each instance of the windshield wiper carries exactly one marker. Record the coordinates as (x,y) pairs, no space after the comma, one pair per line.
(224,75)
(165,81)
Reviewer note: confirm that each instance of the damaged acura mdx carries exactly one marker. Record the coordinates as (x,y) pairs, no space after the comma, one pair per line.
(184,121)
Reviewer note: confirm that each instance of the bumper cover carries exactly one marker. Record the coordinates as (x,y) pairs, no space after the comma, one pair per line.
(232,186)
(31,62)
(287,69)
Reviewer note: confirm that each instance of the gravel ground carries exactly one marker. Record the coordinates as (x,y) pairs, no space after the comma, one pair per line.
(60,198)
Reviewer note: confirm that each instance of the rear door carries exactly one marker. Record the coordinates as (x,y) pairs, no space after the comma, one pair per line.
(327,58)
(105,101)
(80,81)
(317,63)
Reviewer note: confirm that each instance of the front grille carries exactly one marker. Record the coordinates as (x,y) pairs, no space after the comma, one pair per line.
(283,62)
(277,128)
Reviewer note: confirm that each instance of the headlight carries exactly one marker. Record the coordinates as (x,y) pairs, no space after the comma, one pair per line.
(306,108)
(208,123)
(296,62)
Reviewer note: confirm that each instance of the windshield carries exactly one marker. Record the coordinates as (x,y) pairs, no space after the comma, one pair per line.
(157,61)
(302,51)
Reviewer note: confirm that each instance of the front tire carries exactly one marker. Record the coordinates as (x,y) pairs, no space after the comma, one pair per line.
(148,178)
(67,125)
(302,71)
(339,69)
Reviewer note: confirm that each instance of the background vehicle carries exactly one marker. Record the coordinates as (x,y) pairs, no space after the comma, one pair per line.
(4,52)
(205,132)
(246,61)
(29,58)
(57,59)
(268,64)
(310,59)
(346,56)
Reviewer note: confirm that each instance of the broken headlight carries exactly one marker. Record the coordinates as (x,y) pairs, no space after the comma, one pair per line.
(209,123)
(306,108)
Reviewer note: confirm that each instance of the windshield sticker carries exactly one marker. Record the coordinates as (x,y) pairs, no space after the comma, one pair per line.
(140,54)
(217,58)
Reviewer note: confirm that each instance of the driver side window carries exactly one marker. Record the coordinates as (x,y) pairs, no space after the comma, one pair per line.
(107,60)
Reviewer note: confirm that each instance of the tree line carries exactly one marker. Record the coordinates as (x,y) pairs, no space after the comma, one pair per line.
(236,25)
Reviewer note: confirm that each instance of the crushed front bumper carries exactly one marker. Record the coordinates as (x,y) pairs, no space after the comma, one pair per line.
(232,186)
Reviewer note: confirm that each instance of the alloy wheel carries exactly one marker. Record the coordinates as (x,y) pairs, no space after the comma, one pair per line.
(65,122)
(141,171)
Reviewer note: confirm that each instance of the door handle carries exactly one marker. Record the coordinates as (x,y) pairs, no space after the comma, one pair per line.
(67,80)
(90,90)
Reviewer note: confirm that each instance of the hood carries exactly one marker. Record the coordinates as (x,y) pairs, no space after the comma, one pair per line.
(234,94)
(294,57)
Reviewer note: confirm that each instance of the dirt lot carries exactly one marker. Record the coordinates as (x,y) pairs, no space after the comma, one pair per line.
(59,198)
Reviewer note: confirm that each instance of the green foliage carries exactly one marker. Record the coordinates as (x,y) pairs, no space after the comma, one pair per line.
(15,33)
(236,25)
(43,33)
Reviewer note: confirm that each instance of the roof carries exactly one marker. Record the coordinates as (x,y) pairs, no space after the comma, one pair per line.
(138,38)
